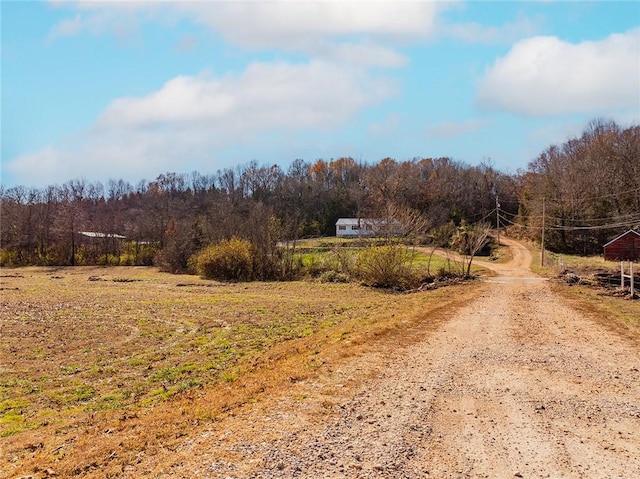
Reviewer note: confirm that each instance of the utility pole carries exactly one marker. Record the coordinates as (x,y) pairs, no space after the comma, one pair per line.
(498,218)
(542,242)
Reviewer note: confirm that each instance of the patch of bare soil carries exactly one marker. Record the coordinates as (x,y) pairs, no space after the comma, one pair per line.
(515,384)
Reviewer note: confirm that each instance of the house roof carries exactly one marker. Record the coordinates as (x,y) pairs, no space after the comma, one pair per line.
(355,221)
(620,236)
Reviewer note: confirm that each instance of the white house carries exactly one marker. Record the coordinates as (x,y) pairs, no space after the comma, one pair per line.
(354,227)
(93,234)
(364,227)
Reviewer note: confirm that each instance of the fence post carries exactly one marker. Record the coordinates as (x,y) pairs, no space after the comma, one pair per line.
(630,276)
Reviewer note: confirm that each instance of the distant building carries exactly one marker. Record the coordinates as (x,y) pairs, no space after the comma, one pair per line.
(93,234)
(365,227)
(101,248)
(625,247)
(354,227)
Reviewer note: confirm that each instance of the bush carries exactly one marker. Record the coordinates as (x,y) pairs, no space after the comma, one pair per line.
(387,266)
(243,260)
(230,260)
(9,258)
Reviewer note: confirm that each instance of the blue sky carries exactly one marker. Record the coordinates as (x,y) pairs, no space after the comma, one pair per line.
(117,89)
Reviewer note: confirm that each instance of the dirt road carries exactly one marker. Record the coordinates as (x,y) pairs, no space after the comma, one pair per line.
(516,384)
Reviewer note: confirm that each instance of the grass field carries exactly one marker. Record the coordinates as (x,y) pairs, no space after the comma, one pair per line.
(84,347)
(321,251)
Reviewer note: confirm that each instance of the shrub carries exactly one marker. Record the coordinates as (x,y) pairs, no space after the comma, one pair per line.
(9,258)
(228,260)
(388,266)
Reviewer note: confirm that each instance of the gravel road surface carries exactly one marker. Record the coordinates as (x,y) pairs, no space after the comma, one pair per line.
(517,385)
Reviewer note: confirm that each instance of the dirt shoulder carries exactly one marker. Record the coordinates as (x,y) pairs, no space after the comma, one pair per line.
(516,384)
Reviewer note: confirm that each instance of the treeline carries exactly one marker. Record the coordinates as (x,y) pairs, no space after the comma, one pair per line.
(591,181)
(587,189)
(180,214)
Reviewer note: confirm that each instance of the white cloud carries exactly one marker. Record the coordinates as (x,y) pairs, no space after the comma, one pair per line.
(544,76)
(40,168)
(474,32)
(92,156)
(187,123)
(181,100)
(186,44)
(277,23)
(288,24)
(364,54)
(265,96)
(349,32)
(97,18)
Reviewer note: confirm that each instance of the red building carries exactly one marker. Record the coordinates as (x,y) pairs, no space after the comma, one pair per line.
(625,247)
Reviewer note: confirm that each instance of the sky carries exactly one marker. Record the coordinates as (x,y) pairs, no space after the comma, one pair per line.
(132,89)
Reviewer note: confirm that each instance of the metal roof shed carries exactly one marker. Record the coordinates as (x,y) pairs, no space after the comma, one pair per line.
(625,247)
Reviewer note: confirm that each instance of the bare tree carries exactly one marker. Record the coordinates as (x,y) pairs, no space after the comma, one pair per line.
(469,240)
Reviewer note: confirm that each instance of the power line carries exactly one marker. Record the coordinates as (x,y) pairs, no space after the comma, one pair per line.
(620,222)
(600,197)
(607,222)
(593,228)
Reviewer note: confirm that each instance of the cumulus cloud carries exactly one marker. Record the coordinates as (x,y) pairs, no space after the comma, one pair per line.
(185,124)
(544,76)
(264,96)
(97,155)
(287,24)
(290,25)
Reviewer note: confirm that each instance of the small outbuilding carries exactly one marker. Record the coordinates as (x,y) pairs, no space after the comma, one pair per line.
(625,247)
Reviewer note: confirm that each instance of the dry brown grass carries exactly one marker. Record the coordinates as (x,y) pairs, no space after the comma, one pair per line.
(617,312)
(104,366)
